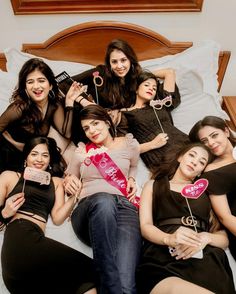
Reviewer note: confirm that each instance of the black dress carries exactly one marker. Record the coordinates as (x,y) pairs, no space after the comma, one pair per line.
(211,272)
(144,125)
(223,181)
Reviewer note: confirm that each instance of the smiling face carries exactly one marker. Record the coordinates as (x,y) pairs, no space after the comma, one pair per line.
(119,62)
(216,139)
(147,90)
(193,162)
(38,157)
(37,86)
(97,131)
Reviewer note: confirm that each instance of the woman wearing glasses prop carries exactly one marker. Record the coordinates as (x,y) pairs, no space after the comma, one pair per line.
(150,120)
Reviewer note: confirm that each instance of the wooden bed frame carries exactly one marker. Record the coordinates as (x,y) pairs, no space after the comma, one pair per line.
(86,43)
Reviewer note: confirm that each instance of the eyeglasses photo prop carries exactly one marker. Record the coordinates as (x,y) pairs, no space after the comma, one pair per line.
(158,104)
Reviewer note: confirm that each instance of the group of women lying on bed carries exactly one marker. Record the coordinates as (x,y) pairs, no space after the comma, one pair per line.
(167,241)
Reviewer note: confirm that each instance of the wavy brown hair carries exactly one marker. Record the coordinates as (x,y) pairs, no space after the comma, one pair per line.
(32,114)
(211,121)
(121,93)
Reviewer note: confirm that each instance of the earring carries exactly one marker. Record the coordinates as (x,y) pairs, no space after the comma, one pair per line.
(25,164)
(51,95)
(49,167)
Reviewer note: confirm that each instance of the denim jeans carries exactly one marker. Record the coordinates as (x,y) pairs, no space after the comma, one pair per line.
(110,225)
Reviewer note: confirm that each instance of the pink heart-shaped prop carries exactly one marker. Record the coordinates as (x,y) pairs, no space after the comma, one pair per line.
(194,191)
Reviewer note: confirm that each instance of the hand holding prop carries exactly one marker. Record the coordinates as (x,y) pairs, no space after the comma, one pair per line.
(61,77)
(194,191)
(36,175)
(98,82)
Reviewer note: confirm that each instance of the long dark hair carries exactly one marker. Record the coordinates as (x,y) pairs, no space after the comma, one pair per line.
(166,171)
(211,121)
(32,114)
(121,94)
(56,163)
(170,165)
(96,112)
(145,75)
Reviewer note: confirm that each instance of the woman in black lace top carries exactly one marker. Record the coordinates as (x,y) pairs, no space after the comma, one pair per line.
(35,105)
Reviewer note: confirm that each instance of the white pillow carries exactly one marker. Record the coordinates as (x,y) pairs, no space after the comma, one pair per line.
(16,58)
(7,84)
(196,76)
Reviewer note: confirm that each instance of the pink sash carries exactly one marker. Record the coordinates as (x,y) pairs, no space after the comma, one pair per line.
(110,171)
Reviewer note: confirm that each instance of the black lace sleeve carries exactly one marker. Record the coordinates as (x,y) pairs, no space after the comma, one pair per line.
(9,116)
(62,120)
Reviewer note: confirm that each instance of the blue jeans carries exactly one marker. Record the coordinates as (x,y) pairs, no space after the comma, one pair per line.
(110,224)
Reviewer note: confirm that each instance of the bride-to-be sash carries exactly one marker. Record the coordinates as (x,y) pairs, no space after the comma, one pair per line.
(109,170)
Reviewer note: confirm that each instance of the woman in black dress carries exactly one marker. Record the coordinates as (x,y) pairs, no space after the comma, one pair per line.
(176,235)
(221,173)
(153,126)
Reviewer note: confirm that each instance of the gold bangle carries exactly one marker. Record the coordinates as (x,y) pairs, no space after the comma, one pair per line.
(132,179)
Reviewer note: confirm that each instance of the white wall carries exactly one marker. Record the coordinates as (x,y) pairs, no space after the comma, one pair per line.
(216,21)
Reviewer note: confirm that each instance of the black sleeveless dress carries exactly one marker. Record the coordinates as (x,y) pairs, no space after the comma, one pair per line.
(223,181)
(212,272)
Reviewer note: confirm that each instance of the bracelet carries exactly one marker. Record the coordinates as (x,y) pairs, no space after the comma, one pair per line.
(68,108)
(3,219)
(80,99)
(132,179)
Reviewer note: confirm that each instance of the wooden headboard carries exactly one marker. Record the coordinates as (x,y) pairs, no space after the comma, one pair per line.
(86,43)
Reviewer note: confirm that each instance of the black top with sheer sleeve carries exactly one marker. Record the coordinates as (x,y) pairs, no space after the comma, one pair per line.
(100,93)
(144,125)
(14,121)
(18,125)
